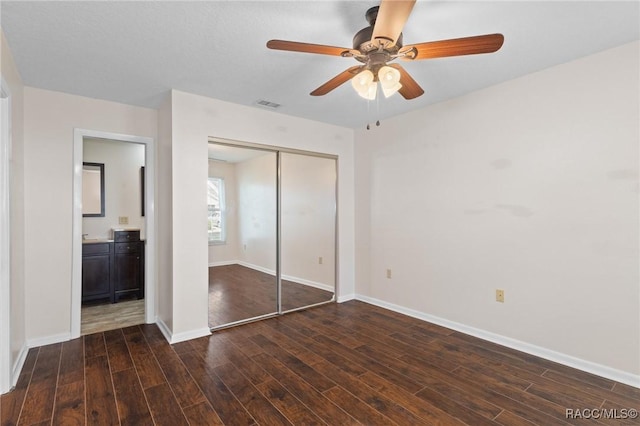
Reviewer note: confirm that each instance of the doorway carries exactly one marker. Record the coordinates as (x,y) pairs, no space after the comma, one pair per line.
(113,235)
(97,234)
(272,231)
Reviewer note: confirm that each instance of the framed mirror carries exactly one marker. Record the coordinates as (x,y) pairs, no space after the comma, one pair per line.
(93,190)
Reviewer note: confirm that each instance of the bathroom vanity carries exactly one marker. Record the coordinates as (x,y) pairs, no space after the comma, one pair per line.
(96,270)
(112,269)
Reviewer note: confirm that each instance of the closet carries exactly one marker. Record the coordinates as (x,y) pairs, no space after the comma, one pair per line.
(272,231)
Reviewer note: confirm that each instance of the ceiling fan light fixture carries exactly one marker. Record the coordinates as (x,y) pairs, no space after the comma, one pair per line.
(390,90)
(364,85)
(389,80)
(372,90)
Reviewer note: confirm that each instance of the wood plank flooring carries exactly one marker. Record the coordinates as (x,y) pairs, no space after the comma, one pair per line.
(237,293)
(338,364)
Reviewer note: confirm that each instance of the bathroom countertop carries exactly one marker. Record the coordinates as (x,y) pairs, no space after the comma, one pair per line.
(102,240)
(96,240)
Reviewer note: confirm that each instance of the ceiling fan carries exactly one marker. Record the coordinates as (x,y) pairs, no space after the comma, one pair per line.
(377,45)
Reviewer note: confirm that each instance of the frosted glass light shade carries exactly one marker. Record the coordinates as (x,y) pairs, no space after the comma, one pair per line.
(389,80)
(371,91)
(365,86)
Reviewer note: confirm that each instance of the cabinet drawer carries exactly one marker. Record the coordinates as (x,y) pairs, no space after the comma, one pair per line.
(95,248)
(124,236)
(133,247)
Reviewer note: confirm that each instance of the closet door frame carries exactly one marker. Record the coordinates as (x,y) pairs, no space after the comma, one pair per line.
(278,150)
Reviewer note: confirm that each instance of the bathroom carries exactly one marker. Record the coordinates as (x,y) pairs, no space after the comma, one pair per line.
(113,234)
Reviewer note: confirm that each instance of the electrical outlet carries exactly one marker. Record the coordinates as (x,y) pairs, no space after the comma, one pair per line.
(389,273)
(500,296)
(320,260)
(123,220)
(244,247)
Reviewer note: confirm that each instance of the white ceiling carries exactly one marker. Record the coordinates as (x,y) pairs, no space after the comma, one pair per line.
(134,52)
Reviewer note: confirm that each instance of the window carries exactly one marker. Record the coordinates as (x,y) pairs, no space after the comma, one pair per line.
(215,201)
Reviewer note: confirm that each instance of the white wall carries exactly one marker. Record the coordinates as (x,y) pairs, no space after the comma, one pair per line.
(530,186)
(227,252)
(49,120)
(17,222)
(194,120)
(164,201)
(257,211)
(122,162)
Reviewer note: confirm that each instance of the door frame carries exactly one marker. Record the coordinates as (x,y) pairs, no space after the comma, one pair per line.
(150,223)
(6,379)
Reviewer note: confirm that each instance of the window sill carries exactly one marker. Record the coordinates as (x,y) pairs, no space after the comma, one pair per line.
(217,243)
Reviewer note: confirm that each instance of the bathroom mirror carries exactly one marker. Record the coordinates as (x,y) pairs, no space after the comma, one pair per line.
(93,190)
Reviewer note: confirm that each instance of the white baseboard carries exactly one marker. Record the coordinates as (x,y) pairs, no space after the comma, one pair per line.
(346,298)
(256,267)
(181,337)
(18,364)
(191,334)
(302,281)
(561,358)
(309,283)
(243,263)
(48,340)
(223,263)
(166,332)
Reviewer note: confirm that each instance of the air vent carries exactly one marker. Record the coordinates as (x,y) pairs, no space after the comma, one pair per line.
(267,104)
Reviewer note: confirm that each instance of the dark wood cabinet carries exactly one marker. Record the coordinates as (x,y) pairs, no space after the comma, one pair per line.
(96,272)
(128,264)
(111,270)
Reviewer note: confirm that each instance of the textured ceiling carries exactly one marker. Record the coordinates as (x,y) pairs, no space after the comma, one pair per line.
(134,52)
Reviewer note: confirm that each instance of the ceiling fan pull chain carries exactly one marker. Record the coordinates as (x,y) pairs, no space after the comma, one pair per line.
(378,111)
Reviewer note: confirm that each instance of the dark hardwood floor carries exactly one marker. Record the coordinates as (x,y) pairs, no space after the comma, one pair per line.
(338,364)
(237,293)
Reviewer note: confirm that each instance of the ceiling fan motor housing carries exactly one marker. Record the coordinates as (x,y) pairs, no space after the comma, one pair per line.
(362,40)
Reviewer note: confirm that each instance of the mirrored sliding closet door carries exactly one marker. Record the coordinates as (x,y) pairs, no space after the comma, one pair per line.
(272,231)
(307,229)
(242,226)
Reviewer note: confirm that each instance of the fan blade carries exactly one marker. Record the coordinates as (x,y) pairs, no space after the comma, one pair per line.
(410,89)
(392,15)
(336,81)
(295,46)
(458,46)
